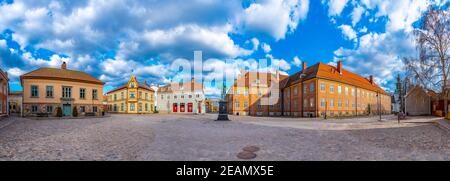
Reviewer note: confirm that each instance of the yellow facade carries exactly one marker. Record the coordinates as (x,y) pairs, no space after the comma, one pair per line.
(50,96)
(132,98)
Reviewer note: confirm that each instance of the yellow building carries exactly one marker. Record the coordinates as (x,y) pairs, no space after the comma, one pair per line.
(131,98)
(46,90)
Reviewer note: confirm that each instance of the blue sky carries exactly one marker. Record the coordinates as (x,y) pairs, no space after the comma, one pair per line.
(116,38)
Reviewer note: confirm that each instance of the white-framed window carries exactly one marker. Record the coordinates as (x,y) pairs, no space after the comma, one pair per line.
(331,102)
(346,91)
(311,87)
(339,90)
(322,87)
(353,92)
(339,103)
(237,104)
(331,88)
(322,102)
(346,103)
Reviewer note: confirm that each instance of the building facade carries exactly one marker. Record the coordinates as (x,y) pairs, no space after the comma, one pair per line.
(132,98)
(4,92)
(315,91)
(184,97)
(250,89)
(417,102)
(15,103)
(46,90)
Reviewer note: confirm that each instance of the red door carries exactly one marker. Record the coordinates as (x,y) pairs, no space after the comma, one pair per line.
(182,108)
(175,107)
(190,107)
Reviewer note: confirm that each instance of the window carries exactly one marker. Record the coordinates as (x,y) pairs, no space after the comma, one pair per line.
(322,87)
(245,104)
(190,96)
(34,109)
(132,107)
(49,109)
(140,95)
(132,85)
(311,87)
(94,94)
(82,93)
(175,97)
(115,108)
(146,96)
(122,96)
(34,91)
(311,102)
(295,90)
(346,103)
(94,109)
(49,91)
(246,92)
(67,92)
(115,97)
(198,95)
(353,92)
(331,88)
(331,102)
(358,104)
(83,109)
(353,104)
(132,95)
(259,105)
(122,107)
(182,96)
(322,102)
(238,92)
(305,89)
(340,103)
(140,106)
(146,107)
(358,94)
(346,91)
(237,104)
(339,89)
(305,103)
(295,105)
(259,93)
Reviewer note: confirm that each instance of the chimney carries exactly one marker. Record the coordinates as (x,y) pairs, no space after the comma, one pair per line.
(305,65)
(64,66)
(339,67)
(371,79)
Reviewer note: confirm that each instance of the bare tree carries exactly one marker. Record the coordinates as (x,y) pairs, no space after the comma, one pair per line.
(432,68)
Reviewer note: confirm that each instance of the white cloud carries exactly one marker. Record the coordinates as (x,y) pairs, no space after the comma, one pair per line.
(275,17)
(357,14)
(3,44)
(348,32)
(335,7)
(266,47)
(296,61)
(363,30)
(15,72)
(255,43)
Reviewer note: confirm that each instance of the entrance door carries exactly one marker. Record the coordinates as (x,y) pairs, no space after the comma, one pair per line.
(175,107)
(190,107)
(182,108)
(67,110)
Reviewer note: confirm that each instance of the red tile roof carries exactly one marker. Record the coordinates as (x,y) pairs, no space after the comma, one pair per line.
(325,71)
(61,74)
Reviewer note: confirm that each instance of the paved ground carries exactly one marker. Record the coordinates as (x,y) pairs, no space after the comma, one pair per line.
(180,137)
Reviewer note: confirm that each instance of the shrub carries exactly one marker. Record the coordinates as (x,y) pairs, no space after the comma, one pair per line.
(75,111)
(59,112)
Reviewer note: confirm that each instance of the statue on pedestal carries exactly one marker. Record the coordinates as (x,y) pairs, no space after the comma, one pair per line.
(223,110)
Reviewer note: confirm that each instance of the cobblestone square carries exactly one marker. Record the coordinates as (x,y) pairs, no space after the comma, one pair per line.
(199,137)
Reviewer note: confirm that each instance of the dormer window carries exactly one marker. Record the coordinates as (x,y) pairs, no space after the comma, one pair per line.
(132,85)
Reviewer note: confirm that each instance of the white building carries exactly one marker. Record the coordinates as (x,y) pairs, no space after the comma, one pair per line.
(187,97)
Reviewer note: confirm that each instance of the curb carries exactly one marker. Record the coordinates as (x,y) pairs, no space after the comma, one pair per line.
(443,125)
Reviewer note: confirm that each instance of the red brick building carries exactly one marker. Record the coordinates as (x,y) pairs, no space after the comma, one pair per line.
(4,92)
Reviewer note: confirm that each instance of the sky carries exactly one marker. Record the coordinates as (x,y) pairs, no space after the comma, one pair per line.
(113,39)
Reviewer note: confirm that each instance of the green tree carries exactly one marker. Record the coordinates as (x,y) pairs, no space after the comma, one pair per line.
(59,112)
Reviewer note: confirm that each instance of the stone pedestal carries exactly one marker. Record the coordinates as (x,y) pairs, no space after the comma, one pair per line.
(223,111)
